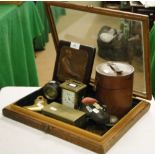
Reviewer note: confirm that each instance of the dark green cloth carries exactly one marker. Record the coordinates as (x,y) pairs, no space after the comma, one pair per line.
(19,25)
(152,56)
(39,42)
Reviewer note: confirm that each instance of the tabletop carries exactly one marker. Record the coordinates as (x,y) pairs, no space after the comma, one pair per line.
(19,25)
(148,3)
(18,138)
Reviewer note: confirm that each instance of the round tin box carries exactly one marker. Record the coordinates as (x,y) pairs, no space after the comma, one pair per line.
(114,86)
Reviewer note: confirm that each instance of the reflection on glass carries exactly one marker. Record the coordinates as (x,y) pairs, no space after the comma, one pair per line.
(115,39)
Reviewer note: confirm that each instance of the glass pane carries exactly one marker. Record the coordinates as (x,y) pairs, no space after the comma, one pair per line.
(115,39)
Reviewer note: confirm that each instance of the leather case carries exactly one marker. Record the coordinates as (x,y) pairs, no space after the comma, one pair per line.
(73,61)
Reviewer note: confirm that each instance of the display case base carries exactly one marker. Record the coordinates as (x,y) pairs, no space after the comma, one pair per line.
(92,141)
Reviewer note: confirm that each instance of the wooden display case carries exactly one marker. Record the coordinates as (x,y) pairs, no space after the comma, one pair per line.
(92,137)
(11,2)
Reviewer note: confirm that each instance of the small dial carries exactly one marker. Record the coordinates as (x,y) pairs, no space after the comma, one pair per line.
(68,98)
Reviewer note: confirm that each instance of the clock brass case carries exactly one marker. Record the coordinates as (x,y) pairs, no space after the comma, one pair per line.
(72,93)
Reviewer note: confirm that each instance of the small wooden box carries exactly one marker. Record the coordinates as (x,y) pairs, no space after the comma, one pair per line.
(97,140)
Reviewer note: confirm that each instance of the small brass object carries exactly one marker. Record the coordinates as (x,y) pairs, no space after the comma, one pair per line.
(51,90)
(72,93)
(65,114)
(39,103)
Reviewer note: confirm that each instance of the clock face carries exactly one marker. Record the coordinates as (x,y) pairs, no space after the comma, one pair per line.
(68,98)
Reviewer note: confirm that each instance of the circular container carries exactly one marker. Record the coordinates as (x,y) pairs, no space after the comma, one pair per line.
(51,90)
(114,86)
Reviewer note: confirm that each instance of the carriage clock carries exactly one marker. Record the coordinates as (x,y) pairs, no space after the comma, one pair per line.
(72,93)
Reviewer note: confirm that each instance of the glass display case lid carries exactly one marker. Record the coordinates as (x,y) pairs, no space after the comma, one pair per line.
(116,35)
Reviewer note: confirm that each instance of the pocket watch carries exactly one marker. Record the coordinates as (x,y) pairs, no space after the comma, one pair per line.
(72,93)
(51,90)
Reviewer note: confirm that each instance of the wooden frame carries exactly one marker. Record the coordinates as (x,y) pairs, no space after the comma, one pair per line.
(11,2)
(98,143)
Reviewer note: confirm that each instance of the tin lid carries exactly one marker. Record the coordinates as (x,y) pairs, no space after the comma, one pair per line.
(114,69)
